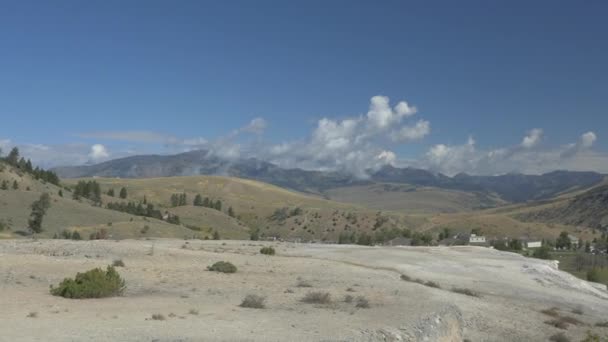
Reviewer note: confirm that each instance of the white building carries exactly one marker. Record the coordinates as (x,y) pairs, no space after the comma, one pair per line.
(473,238)
(534,244)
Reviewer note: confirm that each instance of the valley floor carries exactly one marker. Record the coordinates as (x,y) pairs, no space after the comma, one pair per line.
(169,277)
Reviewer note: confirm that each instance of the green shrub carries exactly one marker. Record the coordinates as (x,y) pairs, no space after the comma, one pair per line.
(253,301)
(542,253)
(95,283)
(267,251)
(593,275)
(222,266)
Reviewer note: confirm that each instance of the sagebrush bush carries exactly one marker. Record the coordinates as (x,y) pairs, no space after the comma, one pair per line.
(223,267)
(432,284)
(317,298)
(118,263)
(95,283)
(267,251)
(253,301)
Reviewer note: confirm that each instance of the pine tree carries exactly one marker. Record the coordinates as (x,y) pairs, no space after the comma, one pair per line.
(13,156)
(216,235)
(206,202)
(218,205)
(4,185)
(111,193)
(60,193)
(123,193)
(174,200)
(15,185)
(198,200)
(145,200)
(230,212)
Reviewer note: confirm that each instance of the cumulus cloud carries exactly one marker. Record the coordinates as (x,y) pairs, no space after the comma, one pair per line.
(98,152)
(533,138)
(256,126)
(355,144)
(452,159)
(416,132)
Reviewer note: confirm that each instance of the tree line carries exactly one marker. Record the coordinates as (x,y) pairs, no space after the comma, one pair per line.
(138,209)
(14,159)
(181,199)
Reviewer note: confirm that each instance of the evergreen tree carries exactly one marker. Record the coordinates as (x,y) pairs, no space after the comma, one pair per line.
(218,205)
(13,156)
(230,212)
(145,200)
(206,202)
(60,193)
(39,209)
(182,199)
(123,193)
(111,193)
(15,185)
(216,235)
(198,200)
(4,185)
(28,166)
(174,200)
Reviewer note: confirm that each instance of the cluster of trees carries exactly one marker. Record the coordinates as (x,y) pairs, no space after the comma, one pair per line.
(5,183)
(89,190)
(383,235)
(281,214)
(122,194)
(199,201)
(508,245)
(139,209)
(15,160)
(178,200)
(39,208)
(66,234)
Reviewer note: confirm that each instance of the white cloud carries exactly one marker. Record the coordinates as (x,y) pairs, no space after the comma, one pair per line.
(98,152)
(533,138)
(381,115)
(588,139)
(408,133)
(256,126)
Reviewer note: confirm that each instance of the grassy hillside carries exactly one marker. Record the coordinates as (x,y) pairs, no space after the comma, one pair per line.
(67,214)
(412,199)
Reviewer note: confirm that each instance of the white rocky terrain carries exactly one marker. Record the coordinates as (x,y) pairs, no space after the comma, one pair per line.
(169,277)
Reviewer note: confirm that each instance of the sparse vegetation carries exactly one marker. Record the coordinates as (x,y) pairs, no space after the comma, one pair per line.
(158,317)
(552,312)
(253,301)
(317,297)
(467,292)
(267,251)
(95,283)
(32,314)
(223,267)
(432,284)
(348,299)
(193,312)
(559,337)
(303,283)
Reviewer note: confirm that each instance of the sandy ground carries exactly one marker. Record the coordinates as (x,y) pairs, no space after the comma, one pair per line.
(169,277)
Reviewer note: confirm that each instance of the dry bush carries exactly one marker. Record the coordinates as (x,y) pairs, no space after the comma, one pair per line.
(193,312)
(552,312)
(432,284)
(557,323)
(406,277)
(223,267)
(158,317)
(303,283)
(362,303)
(253,301)
(32,314)
(602,324)
(118,263)
(577,311)
(570,320)
(348,299)
(317,298)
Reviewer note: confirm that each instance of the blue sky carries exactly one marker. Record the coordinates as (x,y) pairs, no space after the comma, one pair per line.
(78,73)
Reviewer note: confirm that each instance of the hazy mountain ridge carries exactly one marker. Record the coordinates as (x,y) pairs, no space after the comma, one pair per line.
(509,187)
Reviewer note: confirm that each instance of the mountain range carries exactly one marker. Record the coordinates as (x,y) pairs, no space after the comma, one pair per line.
(509,187)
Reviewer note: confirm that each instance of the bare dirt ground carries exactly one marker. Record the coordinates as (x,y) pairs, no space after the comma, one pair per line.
(169,277)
